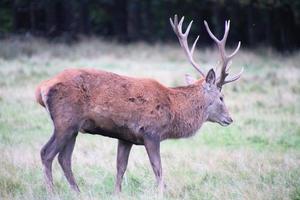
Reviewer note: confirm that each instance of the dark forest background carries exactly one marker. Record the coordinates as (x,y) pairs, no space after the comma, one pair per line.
(273,23)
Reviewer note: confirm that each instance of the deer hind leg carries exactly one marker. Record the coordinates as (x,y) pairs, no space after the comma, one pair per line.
(64,159)
(47,156)
(50,150)
(122,161)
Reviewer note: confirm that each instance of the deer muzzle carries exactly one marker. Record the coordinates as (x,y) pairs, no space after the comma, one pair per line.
(226,121)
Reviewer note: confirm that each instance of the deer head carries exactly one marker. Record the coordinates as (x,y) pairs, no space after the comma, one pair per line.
(216,110)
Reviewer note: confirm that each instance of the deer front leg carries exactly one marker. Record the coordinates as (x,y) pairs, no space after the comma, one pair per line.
(122,161)
(152,145)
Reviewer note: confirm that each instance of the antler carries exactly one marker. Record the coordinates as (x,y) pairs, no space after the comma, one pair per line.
(221,80)
(182,37)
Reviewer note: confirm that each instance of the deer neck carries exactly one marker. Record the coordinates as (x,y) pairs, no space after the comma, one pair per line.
(190,106)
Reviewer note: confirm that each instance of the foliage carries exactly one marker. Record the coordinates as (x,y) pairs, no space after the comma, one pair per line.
(5,17)
(274,23)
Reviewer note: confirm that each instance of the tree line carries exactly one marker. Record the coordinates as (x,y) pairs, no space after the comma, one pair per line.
(274,23)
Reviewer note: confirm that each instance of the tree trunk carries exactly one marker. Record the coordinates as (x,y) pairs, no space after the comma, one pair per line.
(134,18)
(148,21)
(120,19)
(51,27)
(15,16)
(84,17)
(250,25)
(268,29)
(32,10)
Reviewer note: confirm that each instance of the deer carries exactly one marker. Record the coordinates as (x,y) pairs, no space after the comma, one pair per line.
(136,111)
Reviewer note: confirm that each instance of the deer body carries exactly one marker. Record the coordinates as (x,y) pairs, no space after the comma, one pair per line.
(132,110)
(126,108)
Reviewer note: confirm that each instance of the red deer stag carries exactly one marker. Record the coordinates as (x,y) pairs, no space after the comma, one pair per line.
(132,110)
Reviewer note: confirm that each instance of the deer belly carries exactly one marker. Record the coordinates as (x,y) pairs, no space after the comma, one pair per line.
(109,129)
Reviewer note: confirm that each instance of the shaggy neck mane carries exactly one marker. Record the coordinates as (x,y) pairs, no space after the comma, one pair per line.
(190,115)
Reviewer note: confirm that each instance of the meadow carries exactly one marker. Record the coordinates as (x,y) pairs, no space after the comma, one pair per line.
(257,157)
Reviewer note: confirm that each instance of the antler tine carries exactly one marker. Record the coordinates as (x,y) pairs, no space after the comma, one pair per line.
(194,45)
(234,78)
(182,37)
(188,29)
(180,25)
(225,58)
(227,27)
(235,51)
(210,33)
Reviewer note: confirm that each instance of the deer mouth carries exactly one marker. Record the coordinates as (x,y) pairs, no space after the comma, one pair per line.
(225,122)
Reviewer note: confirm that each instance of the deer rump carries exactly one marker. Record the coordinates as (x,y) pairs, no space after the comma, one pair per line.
(104,103)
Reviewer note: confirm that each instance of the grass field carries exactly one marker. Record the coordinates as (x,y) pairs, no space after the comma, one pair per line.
(257,157)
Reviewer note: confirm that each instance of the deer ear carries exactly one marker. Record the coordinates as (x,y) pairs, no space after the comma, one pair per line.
(211,77)
(189,79)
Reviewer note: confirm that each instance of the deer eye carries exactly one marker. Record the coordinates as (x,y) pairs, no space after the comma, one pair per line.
(221,98)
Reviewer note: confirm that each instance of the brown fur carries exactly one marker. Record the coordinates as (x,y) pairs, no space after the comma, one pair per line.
(128,107)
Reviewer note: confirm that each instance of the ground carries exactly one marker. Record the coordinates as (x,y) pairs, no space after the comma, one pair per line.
(257,157)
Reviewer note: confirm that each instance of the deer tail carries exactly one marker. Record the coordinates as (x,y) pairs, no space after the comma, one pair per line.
(38,96)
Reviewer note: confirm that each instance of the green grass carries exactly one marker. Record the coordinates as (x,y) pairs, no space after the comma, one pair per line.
(257,157)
